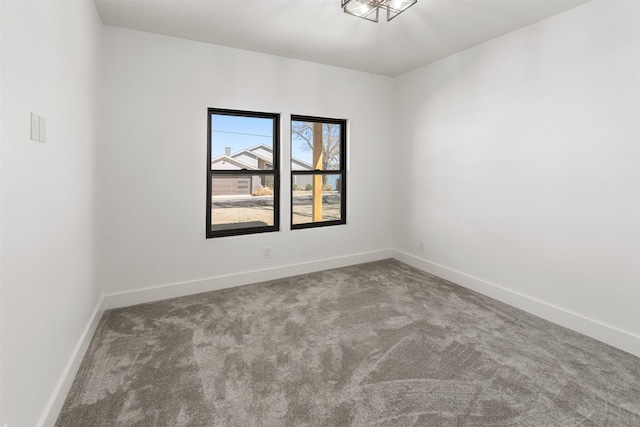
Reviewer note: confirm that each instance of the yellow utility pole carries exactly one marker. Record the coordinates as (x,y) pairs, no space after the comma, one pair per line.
(317,165)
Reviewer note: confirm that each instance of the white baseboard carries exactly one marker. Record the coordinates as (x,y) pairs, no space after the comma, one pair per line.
(592,328)
(51,412)
(157,293)
(124,299)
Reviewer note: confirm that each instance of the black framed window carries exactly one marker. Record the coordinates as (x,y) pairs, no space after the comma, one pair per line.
(243,176)
(318,177)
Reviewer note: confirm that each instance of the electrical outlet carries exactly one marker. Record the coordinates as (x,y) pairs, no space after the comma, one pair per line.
(421,244)
(267,253)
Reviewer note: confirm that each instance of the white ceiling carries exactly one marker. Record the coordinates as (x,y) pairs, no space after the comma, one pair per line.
(318,30)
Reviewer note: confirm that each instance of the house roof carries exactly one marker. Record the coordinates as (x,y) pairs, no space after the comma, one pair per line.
(238,163)
(266,159)
(302,163)
(266,147)
(232,158)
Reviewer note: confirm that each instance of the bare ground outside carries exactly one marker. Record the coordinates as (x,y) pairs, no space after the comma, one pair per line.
(256,211)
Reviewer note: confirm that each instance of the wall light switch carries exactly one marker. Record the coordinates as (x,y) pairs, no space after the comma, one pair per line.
(43,129)
(35,127)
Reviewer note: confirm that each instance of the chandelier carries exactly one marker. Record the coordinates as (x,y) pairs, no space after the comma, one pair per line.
(369,9)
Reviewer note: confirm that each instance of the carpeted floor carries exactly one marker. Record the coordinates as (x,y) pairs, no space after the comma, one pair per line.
(377,344)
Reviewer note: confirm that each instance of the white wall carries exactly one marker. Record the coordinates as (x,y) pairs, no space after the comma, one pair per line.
(1,417)
(152,160)
(517,162)
(49,66)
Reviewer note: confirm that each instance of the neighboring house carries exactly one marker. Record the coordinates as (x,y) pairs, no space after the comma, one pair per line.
(299,165)
(258,158)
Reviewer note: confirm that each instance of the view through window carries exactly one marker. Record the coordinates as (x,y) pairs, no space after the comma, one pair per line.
(318,176)
(243,175)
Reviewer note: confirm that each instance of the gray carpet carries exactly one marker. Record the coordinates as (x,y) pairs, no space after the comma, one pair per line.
(377,344)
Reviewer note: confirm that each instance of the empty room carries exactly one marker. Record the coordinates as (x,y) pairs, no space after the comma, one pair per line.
(319,213)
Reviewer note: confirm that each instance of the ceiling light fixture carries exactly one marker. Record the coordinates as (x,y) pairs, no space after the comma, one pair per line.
(369,9)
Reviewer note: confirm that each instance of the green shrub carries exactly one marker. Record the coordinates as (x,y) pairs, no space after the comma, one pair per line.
(309,187)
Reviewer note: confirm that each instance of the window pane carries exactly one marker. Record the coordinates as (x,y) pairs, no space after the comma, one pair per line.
(242,201)
(241,142)
(316,198)
(243,172)
(315,145)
